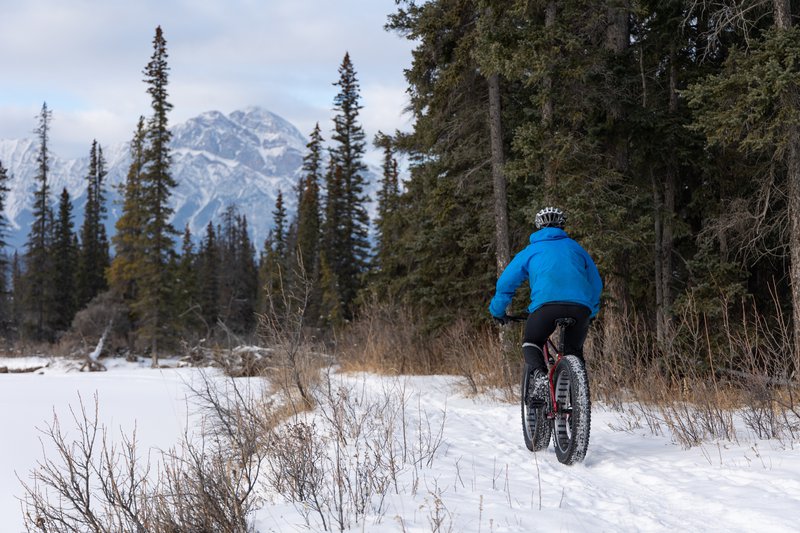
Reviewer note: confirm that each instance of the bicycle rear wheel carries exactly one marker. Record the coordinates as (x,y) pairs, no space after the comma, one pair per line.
(536,429)
(573,419)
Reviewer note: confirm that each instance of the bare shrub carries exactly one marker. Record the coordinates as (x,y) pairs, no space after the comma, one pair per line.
(338,469)
(296,362)
(89,484)
(206,483)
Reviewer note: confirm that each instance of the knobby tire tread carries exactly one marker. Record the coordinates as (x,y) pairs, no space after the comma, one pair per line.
(571,436)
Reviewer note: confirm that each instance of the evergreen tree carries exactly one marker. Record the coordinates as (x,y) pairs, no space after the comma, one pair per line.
(334,238)
(279,227)
(748,111)
(5,296)
(308,205)
(208,269)
(349,262)
(65,263)
(386,235)
(186,280)
(155,288)
(4,177)
(309,225)
(123,273)
(238,273)
(444,255)
(17,292)
(94,256)
(247,275)
(38,261)
(273,272)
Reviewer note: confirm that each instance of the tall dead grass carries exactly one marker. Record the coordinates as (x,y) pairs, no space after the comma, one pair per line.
(709,371)
(391,339)
(387,339)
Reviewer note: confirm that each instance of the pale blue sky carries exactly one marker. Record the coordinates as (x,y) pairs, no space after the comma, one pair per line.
(85,58)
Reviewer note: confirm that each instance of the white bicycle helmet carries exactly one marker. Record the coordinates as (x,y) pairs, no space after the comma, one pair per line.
(550,217)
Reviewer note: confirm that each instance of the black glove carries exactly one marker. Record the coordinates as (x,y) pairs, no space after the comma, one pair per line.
(502,320)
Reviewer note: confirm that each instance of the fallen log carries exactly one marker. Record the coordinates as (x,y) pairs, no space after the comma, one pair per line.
(91,361)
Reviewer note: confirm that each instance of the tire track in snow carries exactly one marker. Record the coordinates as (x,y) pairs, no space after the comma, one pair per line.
(628,482)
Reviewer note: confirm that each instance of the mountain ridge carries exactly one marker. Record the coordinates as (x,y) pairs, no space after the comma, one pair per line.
(243,158)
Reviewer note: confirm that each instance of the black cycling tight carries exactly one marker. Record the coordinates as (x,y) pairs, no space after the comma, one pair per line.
(541,324)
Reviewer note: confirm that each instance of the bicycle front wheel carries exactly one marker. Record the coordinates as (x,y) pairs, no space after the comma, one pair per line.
(536,429)
(572,422)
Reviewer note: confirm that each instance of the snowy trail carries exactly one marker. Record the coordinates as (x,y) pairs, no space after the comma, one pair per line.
(483,479)
(630,481)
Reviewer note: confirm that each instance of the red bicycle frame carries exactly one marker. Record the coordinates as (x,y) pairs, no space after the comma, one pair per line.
(551,362)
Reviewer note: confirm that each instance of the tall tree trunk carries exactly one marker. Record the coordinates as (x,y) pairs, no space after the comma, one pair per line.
(794,235)
(664,197)
(548,110)
(498,177)
(658,216)
(616,308)
(783,21)
(783,14)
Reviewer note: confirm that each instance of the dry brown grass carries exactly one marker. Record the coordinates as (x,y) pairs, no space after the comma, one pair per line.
(708,370)
(390,339)
(387,339)
(482,357)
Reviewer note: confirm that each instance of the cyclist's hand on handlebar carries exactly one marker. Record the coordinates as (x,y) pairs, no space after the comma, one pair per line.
(502,320)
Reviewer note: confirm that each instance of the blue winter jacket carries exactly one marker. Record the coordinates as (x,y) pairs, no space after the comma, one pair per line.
(558,270)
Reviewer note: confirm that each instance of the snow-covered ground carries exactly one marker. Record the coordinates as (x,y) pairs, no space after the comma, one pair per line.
(481,479)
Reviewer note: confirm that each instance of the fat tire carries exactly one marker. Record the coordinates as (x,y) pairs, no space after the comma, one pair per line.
(536,429)
(572,424)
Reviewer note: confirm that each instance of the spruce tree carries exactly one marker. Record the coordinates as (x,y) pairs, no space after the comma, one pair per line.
(387,200)
(334,241)
(351,260)
(208,270)
(155,290)
(65,266)
(273,272)
(5,308)
(309,225)
(4,177)
(123,274)
(38,260)
(279,227)
(748,111)
(237,274)
(94,256)
(186,280)
(308,205)
(247,277)
(17,293)
(447,232)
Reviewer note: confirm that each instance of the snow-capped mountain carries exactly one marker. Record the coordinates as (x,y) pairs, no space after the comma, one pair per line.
(243,159)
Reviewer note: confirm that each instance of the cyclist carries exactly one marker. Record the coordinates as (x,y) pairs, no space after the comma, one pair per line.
(564,282)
